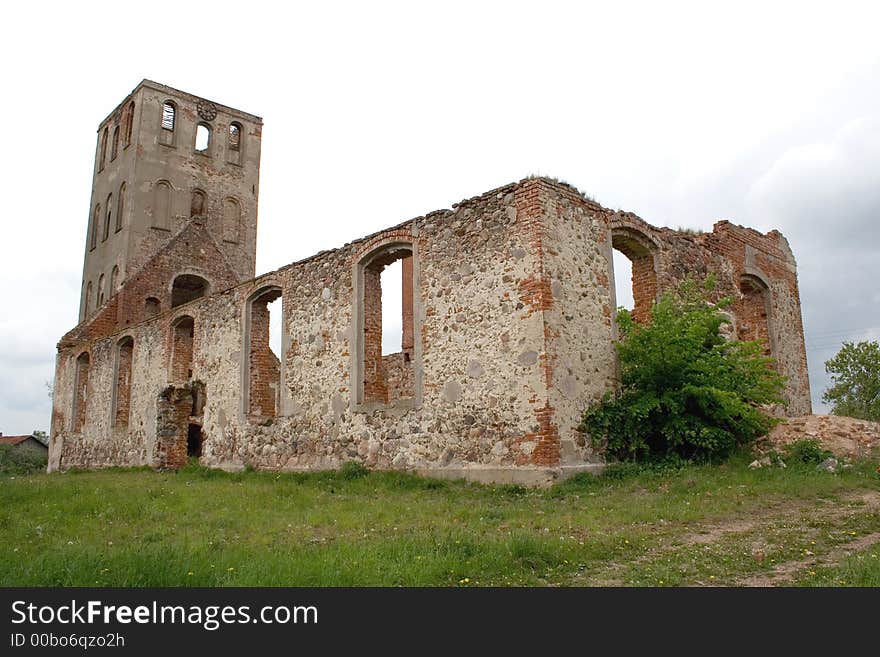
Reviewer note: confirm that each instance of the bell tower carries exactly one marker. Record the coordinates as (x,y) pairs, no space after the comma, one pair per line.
(164,158)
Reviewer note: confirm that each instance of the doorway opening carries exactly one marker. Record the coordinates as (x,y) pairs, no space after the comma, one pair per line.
(194,441)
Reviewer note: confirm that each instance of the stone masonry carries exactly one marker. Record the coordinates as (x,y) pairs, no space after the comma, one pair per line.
(508,326)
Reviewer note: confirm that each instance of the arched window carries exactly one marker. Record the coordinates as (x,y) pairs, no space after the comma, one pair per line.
(638,250)
(108,217)
(151,306)
(96,220)
(186,288)
(169,113)
(198,205)
(103,153)
(88,305)
(385,377)
(182,345)
(120,207)
(752,312)
(263,371)
(100,300)
(162,205)
(80,392)
(203,138)
(233,143)
(115,147)
(114,280)
(129,123)
(231,220)
(122,389)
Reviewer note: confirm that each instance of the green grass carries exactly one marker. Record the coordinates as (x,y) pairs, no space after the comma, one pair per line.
(679,526)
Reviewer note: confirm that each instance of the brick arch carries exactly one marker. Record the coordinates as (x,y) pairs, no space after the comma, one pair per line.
(641,250)
(262,368)
(188,286)
(182,347)
(80,391)
(121,401)
(752,310)
(378,379)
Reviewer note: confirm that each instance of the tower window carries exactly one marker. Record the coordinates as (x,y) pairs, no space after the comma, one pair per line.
(107,219)
(197,203)
(100,301)
(233,144)
(234,136)
(168,112)
(103,153)
(162,205)
(115,148)
(114,280)
(129,122)
(88,303)
(231,220)
(203,138)
(96,219)
(120,207)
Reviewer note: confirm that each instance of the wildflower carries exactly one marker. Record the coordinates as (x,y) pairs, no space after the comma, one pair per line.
(189,574)
(230,569)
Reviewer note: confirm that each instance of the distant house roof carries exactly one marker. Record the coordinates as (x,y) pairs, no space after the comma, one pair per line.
(15,440)
(12,440)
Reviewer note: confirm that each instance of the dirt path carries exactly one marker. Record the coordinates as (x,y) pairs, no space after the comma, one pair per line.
(714,533)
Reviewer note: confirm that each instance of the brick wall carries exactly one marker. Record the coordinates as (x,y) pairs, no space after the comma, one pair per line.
(264,367)
(123,382)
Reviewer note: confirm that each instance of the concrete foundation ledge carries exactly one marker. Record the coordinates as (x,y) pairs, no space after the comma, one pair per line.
(536,477)
(519,475)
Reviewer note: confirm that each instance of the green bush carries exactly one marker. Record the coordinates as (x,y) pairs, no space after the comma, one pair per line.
(806,450)
(17,461)
(353,470)
(685,389)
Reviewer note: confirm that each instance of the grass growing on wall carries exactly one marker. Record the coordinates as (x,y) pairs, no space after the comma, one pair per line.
(691,526)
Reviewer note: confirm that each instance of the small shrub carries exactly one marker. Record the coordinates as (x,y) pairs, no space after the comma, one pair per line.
(685,389)
(807,450)
(351,470)
(17,461)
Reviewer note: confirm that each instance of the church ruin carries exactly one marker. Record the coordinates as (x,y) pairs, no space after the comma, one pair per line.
(508,317)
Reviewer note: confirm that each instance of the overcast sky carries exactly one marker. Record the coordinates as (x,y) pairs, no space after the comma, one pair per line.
(766,114)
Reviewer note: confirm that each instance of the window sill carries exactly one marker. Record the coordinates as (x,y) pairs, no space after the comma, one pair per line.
(397,407)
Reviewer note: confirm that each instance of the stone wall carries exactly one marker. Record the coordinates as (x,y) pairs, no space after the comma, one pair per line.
(510,338)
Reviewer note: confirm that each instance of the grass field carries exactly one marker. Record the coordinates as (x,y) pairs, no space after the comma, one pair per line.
(700,525)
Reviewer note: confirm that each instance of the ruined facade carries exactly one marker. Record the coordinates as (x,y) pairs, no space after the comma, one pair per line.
(507,313)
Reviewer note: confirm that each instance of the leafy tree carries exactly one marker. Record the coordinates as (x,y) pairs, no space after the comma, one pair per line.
(686,391)
(855,376)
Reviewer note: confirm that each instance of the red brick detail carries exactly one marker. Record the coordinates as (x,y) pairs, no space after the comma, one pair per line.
(375,389)
(547,451)
(536,293)
(173,409)
(636,247)
(264,368)
(182,348)
(751,313)
(81,391)
(408,341)
(123,382)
